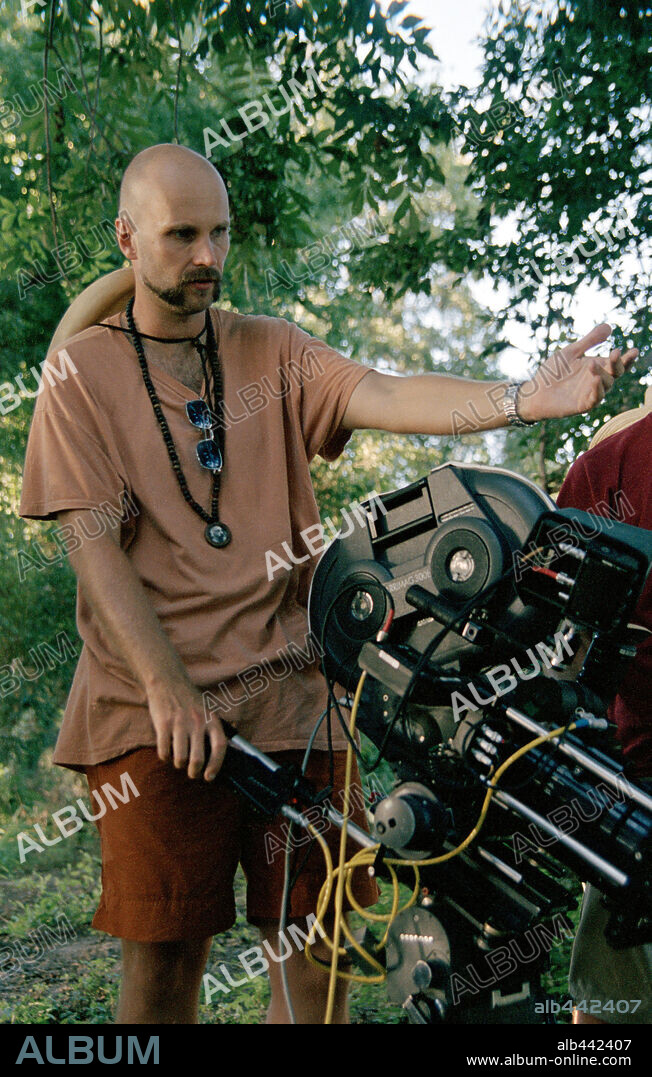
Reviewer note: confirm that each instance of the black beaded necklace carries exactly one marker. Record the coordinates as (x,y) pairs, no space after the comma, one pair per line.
(216,532)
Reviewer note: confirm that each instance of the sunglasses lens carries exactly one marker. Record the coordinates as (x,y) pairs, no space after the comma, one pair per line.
(198,413)
(209,455)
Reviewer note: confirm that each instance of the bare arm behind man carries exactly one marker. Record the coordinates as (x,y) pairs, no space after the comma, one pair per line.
(99,300)
(119,601)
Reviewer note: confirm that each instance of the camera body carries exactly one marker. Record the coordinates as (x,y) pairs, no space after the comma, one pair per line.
(495,595)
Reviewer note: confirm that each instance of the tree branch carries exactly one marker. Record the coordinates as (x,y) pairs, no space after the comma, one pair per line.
(87,105)
(543,473)
(178,80)
(87,102)
(48,145)
(97,98)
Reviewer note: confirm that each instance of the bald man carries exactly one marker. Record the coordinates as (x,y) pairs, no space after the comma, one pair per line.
(182,625)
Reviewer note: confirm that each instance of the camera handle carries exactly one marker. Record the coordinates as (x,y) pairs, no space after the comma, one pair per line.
(276,789)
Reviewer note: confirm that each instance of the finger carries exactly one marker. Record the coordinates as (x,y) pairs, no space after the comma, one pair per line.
(197,751)
(180,746)
(611,364)
(615,366)
(606,379)
(617,363)
(219,745)
(596,336)
(163,743)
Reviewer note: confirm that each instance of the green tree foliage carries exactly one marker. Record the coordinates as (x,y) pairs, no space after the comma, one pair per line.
(557,134)
(128,82)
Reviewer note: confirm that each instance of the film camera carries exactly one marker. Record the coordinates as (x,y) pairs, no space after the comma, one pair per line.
(494,594)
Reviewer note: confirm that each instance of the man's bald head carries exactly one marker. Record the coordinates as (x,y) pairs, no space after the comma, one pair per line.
(163,172)
(174,227)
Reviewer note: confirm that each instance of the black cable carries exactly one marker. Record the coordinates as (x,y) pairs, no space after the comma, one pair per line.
(288,884)
(340,716)
(302,863)
(306,853)
(329,735)
(290,881)
(304,764)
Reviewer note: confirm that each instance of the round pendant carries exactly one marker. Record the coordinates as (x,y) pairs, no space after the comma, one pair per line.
(217,534)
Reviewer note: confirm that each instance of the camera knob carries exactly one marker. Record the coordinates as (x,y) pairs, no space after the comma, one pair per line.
(430,974)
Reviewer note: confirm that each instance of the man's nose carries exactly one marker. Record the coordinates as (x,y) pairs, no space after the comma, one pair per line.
(205,253)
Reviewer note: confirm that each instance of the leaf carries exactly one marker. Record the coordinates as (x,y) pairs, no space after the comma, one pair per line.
(402,209)
(409,21)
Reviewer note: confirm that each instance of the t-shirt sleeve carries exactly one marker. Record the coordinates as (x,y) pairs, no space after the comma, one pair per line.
(327,382)
(72,460)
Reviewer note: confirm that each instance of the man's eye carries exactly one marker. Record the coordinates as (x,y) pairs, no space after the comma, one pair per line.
(187,233)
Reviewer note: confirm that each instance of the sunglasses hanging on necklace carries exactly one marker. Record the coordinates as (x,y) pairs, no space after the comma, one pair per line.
(210,451)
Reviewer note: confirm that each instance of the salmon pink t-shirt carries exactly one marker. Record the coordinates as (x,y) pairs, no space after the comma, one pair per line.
(243,637)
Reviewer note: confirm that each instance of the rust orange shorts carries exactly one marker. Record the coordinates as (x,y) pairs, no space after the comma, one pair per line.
(169,855)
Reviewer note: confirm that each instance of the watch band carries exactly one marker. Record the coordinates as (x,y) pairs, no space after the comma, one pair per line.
(510,405)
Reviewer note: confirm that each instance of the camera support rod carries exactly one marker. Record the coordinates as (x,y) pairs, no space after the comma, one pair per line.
(618,878)
(614,779)
(356,832)
(295,816)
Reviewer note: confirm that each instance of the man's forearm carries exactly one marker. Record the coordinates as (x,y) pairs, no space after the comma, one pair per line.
(451,405)
(100,300)
(125,614)
(569,382)
(426,404)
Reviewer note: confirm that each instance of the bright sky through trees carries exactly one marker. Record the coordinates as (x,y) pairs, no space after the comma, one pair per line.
(456,30)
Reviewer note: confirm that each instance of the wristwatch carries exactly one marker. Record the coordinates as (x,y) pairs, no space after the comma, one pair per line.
(510,405)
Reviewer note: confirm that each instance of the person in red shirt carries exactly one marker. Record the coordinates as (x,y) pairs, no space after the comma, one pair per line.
(614,478)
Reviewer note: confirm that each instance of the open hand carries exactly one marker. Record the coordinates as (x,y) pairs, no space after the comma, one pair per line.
(570,381)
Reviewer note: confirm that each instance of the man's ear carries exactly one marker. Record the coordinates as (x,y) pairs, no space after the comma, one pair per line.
(126,230)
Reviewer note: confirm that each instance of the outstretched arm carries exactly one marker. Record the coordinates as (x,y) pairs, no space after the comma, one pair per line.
(100,300)
(567,383)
